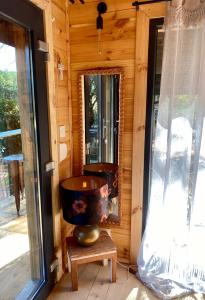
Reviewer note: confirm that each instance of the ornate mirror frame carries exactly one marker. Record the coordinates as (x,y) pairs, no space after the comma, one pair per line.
(103,71)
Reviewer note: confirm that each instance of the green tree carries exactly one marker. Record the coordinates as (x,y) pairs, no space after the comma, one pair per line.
(9,113)
(8,85)
(93,104)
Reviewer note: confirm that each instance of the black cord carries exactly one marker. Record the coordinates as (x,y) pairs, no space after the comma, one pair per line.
(137,3)
(81,1)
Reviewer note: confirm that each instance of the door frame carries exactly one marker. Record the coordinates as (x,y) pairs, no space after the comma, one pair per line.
(154,25)
(45,6)
(48,146)
(143,16)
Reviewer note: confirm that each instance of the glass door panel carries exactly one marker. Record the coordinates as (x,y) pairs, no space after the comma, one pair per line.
(21,248)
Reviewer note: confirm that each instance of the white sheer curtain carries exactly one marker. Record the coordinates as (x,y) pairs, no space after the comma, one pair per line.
(172,254)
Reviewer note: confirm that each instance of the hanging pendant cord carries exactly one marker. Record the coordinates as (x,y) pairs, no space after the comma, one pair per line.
(137,3)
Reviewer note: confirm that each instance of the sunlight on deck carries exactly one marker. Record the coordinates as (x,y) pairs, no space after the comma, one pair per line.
(133,294)
(13,246)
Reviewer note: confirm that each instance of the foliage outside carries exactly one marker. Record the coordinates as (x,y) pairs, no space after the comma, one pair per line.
(9,113)
(93,101)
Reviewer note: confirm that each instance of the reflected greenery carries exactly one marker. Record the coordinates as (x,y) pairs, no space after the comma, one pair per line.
(9,113)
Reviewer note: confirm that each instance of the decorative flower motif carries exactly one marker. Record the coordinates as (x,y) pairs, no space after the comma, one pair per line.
(79,206)
(103,218)
(104,191)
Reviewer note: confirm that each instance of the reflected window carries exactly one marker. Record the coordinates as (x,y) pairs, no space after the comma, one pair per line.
(101,94)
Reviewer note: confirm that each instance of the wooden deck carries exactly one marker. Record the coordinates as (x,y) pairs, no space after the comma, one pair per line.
(14,248)
(94,284)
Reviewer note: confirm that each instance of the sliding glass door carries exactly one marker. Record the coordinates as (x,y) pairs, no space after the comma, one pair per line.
(25,197)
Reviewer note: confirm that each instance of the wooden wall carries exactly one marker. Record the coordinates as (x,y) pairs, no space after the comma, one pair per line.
(63,110)
(124,44)
(118,50)
(72,36)
(60,112)
(61,94)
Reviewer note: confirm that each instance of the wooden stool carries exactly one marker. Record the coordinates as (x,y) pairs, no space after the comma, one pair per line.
(104,248)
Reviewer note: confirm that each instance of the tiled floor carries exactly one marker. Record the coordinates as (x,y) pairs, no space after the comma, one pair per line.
(94,284)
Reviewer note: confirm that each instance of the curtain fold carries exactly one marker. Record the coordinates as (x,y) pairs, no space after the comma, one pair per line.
(171,259)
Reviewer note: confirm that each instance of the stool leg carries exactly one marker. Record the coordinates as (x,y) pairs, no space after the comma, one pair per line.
(74,276)
(105,262)
(16,183)
(69,263)
(113,268)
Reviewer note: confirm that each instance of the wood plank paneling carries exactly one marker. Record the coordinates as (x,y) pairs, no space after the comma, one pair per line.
(116,10)
(72,28)
(128,66)
(55,21)
(118,50)
(62,102)
(114,30)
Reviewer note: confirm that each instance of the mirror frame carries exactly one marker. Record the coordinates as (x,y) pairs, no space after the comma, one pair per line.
(103,71)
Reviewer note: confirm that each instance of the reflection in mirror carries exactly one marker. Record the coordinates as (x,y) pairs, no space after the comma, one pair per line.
(101,96)
(102,115)
(109,195)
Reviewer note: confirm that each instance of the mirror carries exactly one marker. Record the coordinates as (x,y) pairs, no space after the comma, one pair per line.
(102,123)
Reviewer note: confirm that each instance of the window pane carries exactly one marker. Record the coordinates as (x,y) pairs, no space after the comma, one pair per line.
(21,260)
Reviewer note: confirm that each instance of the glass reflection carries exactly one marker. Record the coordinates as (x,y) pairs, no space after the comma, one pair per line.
(101,96)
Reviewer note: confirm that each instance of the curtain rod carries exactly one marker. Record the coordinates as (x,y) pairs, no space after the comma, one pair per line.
(137,3)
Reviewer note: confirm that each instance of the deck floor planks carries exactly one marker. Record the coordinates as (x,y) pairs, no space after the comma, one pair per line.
(94,284)
(101,285)
(86,276)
